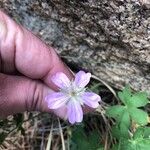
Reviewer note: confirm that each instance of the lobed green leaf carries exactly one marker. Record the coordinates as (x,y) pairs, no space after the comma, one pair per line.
(115,111)
(143,132)
(125,95)
(139,99)
(139,116)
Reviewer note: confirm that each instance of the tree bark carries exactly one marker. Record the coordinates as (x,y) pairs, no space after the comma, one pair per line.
(110,38)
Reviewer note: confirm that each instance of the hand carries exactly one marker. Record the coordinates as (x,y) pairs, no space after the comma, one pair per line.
(26,65)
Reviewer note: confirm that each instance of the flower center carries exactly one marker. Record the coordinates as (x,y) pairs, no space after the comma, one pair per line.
(76,93)
(73,93)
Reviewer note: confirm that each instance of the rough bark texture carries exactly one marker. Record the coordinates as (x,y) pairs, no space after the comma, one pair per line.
(110,38)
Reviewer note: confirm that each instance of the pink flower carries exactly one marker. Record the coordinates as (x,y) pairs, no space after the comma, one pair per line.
(73,94)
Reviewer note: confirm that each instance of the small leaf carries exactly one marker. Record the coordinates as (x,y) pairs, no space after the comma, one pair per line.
(124,124)
(115,111)
(125,118)
(146,132)
(124,144)
(144,144)
(139,116)
(124,131)
(125,95)
(120,131)
(121,115)
(116,132)
(143,132)
(139,133)
(122,127)
(139,143)
(139,99)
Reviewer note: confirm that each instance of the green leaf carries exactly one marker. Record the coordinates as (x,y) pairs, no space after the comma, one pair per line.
(115,147)
(124,131)
(120,131)
(143,132)
(139,133)
(141,138)
(125,118)
(146,132)
(124,124)
(121,115)
(143,144)
(139,116)
(127,144)
(115,111)
(116,132)
(139,99)
(125,95)
(122,127)
(83,141)
(124,144)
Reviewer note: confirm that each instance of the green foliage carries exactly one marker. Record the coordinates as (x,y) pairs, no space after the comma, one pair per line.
(139,141)
(128,112)
(125,95)
(129,129)
(143,132)
(136,100)
(83,141)
(139,116)
(126,115)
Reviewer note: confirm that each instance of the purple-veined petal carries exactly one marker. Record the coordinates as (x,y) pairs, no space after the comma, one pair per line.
(75,113)
(61,80)
(56,100)
(82,79)
(91,99)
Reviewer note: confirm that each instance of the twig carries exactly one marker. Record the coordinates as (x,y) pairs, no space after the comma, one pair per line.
(62,137)
(50,138)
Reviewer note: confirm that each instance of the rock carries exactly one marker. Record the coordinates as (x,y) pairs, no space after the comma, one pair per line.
(146,3)
(109,38)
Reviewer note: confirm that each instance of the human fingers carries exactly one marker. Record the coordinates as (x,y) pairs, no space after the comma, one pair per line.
(19,94)
(22,51)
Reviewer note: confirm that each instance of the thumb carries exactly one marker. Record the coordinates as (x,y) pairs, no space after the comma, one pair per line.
(19,94)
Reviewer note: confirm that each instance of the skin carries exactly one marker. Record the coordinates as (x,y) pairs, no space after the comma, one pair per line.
(26,66)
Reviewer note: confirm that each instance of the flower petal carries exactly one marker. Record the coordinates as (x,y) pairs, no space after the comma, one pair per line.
(91,99)
(56,100)
(75,113)
(82,79)
(61,80)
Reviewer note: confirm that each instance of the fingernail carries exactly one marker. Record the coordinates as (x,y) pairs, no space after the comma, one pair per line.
(2,29)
